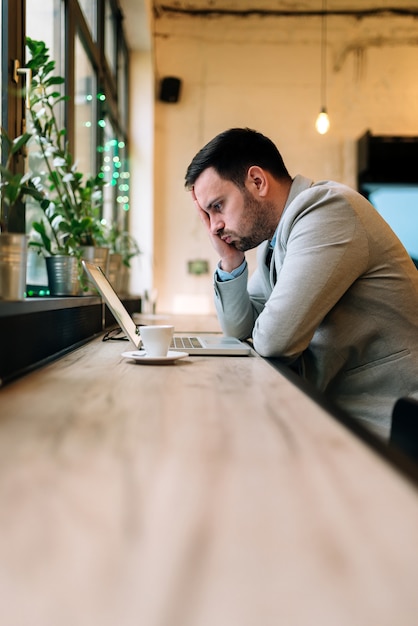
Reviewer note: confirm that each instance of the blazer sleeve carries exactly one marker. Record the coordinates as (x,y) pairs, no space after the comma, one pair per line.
(320,251)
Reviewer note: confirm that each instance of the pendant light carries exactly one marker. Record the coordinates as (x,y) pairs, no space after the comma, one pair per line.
(322,121)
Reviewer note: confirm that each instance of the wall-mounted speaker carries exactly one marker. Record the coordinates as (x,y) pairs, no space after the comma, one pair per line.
(170,89)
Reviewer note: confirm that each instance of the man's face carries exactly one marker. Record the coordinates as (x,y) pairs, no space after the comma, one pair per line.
(237,216)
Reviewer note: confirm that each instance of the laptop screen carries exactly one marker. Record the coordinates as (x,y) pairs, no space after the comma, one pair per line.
(122,316)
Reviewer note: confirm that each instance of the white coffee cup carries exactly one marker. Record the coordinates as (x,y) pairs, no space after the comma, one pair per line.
(156,339)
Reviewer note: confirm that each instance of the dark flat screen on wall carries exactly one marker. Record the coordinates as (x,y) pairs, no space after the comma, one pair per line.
(387,174)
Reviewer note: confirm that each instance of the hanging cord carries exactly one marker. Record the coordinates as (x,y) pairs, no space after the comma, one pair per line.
(324,55)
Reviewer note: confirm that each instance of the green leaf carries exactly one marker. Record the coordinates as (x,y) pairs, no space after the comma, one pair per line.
(39,227)
(19,142)
(54,80)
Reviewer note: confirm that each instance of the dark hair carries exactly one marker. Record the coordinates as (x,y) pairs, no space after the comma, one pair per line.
(232,152)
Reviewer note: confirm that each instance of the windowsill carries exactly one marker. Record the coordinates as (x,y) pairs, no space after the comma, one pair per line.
(45,303)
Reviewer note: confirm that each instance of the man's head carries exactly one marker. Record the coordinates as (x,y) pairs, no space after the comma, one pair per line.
(233,152)
(239,184)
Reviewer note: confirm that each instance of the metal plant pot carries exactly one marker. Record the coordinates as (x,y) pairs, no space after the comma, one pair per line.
(13,258)
(63,279)
(114,270)
(99,255)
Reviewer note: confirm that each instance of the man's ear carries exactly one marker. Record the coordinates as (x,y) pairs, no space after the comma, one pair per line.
(257,181)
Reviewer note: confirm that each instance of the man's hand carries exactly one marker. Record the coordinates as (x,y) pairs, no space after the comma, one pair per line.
(231,258)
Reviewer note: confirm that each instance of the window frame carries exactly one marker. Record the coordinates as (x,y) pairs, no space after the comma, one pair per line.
(13,106)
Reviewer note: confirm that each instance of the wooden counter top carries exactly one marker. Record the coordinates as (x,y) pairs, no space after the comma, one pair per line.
(209,492)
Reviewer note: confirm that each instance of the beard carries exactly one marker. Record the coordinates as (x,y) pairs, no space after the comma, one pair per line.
(258,219)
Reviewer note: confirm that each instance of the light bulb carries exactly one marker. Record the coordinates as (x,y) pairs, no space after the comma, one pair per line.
(322,122)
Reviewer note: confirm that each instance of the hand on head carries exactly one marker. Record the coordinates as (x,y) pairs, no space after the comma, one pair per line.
(229,255)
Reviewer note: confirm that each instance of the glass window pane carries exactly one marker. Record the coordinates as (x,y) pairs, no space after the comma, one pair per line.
(45,22)
(123,185)
(85,98)
(110,37)
(116,175)
(89,9)
(108,169)
(123,84)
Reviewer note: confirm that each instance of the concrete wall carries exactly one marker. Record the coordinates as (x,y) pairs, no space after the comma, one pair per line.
(263,73)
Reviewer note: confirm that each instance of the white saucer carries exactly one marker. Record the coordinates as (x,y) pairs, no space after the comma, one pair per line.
(140,356)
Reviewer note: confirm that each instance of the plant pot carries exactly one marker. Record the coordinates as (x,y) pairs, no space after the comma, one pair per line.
(124,277)
(114,270)
(13,258)
(98,255)
(63,279)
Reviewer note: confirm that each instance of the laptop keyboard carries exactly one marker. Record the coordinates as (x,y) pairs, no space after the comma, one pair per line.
(185,343)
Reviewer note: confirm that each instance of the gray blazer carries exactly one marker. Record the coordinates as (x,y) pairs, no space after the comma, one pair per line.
(339,302)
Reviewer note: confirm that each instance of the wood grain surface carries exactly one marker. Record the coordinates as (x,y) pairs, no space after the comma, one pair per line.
(208,492)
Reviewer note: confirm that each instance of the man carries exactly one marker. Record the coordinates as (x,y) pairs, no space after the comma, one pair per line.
(335,294)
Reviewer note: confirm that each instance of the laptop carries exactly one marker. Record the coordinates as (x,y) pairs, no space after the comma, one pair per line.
(192,344)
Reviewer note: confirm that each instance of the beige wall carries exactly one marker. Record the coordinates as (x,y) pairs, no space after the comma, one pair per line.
(141,151)
(265,74)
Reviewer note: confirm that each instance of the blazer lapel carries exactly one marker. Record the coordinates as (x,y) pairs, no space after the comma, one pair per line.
(270,264)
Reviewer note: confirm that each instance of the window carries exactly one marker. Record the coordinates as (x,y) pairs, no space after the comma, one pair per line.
(89,8)
(12,106)
(86,40)
(110,35)
(45,22)
(85,110)
(122,78)
(74,45)
(115,168)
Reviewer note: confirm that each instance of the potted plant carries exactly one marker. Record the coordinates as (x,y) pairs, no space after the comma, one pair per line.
(14,187)
(71,203)
(123,248)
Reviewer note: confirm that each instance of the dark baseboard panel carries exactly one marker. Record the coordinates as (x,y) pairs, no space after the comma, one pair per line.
(36,331)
